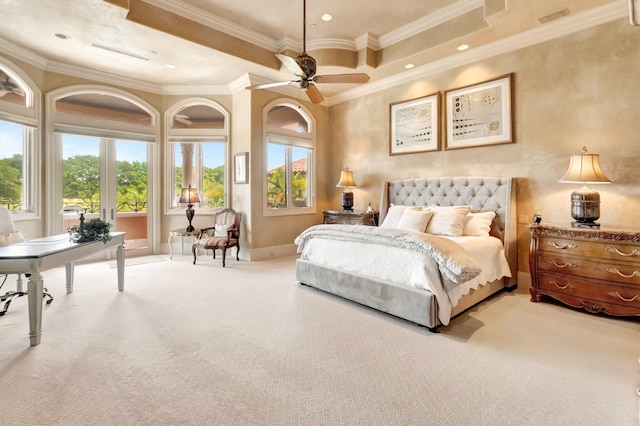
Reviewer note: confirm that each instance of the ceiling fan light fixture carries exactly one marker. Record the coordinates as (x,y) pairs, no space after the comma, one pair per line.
(327,17)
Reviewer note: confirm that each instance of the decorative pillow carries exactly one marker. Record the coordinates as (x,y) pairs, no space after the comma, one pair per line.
(448,220)
(221,230)
(394,214)
(478,224)
(414,220)
(11,238)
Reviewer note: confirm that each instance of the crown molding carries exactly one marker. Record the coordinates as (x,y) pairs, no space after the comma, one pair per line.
(555,29)
(196,14)
(367,40)
(22,54)
(429,21)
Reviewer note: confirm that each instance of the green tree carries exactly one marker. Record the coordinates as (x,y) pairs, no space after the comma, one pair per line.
(81,178)
(11,180)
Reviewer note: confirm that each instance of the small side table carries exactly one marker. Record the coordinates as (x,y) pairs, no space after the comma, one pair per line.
(180,233)
(350,218)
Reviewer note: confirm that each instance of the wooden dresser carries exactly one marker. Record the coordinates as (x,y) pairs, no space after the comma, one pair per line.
(597,270)
(350,218)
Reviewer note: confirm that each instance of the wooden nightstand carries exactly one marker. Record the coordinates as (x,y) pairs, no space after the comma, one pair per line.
(597,270)
(350,218)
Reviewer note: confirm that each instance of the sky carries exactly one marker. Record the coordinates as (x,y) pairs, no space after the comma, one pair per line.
(11,143)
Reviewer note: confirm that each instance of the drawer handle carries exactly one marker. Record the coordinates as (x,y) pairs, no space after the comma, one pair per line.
(557,265)
(616,271)
(615,250)
(616,294)
(560,286)
(559,246)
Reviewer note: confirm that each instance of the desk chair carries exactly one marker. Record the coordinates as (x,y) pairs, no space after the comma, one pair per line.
(224,234)
(10,235)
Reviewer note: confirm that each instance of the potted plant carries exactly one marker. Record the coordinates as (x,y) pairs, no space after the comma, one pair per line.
(94,229)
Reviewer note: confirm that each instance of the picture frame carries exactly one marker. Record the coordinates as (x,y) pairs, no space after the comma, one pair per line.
(241,167)
(480,114)
(415,125)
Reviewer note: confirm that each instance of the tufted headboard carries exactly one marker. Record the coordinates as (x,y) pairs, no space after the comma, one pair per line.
(495,194)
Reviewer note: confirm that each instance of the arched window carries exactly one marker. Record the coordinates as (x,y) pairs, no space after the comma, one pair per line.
(101,150)
(19,142)
(289,161)
(197,140)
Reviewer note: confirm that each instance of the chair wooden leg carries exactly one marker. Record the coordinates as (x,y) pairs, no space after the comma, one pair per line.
(193,251)
(224,255)
(238,252)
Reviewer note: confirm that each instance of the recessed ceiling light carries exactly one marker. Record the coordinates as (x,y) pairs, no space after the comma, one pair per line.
(326,17)
(409,66)
(62,36)
(463,47)
(170,66)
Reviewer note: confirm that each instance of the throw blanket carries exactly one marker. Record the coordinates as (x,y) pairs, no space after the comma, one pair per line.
(453,261)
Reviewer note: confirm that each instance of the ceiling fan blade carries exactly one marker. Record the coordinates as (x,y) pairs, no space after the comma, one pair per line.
(269,85)
(291,64)
(314,94)
(342,78)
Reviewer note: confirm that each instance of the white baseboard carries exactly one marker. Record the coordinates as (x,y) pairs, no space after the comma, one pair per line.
(268,252)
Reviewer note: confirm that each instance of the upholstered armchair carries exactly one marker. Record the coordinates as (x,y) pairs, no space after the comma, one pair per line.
(224,233)
(10,235)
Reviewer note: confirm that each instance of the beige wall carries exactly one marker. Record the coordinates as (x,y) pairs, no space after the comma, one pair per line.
(578,90)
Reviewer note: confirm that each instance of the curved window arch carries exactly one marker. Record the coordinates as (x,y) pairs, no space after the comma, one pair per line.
(290,139)
(20,142)
(101,149)
(197,132)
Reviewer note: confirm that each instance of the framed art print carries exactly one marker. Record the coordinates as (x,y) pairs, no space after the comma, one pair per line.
(241,168)
(480,114)
(414,125)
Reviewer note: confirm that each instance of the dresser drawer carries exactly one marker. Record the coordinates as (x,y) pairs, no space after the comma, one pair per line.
(592,296)
(602,250)
(628,272)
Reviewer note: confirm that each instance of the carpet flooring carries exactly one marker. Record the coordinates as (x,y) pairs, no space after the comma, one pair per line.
(247,345)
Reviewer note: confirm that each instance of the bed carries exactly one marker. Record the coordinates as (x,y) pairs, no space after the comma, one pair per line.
(423,277)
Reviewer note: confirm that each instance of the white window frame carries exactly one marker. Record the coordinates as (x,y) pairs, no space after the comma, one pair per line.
(193,135)
(29,116)
(274,134)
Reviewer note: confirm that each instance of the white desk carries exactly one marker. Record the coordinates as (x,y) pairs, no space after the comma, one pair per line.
(34,256)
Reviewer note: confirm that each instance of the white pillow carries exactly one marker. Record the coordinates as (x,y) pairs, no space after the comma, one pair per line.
(221,230)
(478,224)
(11,238)
(394,214)
(448,220)
(415,220)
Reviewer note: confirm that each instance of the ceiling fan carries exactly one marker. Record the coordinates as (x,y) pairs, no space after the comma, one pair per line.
(8,86)
(304,66)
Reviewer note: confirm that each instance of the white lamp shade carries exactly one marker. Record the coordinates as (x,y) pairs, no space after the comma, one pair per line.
(585,169)
(346,179)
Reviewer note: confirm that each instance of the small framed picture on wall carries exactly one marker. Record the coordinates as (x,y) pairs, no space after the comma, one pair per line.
(241,167)
(414,125)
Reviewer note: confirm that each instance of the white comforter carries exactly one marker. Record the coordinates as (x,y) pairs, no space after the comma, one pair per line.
(447,266)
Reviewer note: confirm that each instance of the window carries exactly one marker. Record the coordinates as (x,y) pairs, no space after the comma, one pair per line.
(19,145)
(16,142)
(289,179)
(197,152)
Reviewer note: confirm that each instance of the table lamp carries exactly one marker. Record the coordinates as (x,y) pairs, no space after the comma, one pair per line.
(189,195)
(585,203)
(346,181)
